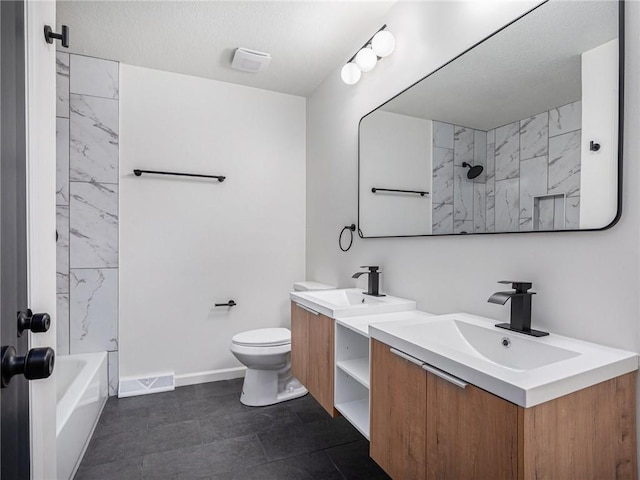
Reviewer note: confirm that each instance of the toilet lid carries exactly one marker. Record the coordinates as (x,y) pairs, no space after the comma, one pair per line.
(263,337)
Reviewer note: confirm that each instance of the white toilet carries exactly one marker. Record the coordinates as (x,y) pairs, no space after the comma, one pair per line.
(266,353)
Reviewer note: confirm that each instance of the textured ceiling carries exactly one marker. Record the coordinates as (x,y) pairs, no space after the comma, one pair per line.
(306,39)
(530,67)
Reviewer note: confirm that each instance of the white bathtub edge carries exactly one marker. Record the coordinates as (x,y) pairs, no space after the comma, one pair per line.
(86,445)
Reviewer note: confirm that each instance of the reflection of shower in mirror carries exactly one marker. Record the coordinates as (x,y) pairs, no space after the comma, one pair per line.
(474,171)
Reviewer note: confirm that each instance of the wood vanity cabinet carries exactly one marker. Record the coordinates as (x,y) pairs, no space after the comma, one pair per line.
(312,354)
(472,434)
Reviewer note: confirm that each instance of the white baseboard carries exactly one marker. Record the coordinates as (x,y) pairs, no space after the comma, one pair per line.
(209,376)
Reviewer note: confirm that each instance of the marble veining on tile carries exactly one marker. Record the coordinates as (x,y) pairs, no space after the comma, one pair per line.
(62,324)
(564,164)
(94,139)
(572,213)
(442,134)
(462,194)
(62,249)
(507,151)
(112,367)
(507,206)
(480,154)
(62,84)
(62,161)
(479,207)
(94,225)
(462,145)
(534,136)
(533,182)
(526,224)
(442,219)
(94,76)
(491,162)
(94,310)
(491,214)
(566,118)
(442,186)
(462,226)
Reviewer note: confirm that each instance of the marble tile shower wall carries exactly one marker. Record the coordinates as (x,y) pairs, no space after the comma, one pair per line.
(87,207)
(534,160)
(459,204)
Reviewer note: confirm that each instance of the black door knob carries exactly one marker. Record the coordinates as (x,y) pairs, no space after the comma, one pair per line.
(37,323)
(36,364)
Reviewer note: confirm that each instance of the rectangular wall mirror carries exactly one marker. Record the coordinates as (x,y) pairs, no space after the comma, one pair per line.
(520,133)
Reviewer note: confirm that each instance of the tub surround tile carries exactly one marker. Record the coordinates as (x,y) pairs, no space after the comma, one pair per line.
(526,224)
(480,154)
(112,366)
(62,85)
(94,225)
(94,310)
(572,213)
(558,212)
(462,226)
(94,137)
(462,194)
(534,136)
(566,118)
(62,324)
(462,145)
(442,187)
(442,218)
(442,134)
(94,76)
(507,206)
(62,161)
(533,182)
(479,207)
(62,249)
(564,164)
(491,214)
(507,151)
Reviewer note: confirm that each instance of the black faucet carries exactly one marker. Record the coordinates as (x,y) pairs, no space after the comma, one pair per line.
(374,280)
(520,307)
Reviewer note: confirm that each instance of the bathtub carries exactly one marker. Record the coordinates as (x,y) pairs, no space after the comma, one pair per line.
(82,391)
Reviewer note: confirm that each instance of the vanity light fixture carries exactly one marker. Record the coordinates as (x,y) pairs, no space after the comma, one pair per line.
(377,47)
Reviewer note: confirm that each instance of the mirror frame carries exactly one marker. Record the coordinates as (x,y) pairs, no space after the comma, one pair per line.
(621,70)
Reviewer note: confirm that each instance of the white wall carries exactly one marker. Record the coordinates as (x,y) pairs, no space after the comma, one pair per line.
(186,244)
(587,283)
(599,170)
(396,153)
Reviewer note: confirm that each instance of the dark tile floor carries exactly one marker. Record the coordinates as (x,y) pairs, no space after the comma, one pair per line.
(204,432)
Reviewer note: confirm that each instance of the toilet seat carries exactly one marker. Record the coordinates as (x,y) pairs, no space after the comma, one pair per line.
(263,337)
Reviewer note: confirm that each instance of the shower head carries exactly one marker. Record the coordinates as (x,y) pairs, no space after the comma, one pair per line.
(474,171)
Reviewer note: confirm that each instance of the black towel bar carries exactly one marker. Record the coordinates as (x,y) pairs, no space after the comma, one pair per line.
(138,172)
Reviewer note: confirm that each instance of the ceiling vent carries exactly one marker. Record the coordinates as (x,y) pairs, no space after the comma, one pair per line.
(247,60)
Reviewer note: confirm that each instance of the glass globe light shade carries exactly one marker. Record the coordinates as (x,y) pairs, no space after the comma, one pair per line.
(350,73)
(383,43)
(366,59)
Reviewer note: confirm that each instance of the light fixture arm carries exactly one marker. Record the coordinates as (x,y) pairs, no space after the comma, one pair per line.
(367,43)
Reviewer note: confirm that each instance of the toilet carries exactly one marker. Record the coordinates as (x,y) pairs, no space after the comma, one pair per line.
(266,353)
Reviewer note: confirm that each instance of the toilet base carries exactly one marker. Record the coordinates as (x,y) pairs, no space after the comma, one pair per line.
(268,387)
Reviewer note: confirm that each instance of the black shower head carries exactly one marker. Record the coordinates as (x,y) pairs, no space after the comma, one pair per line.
(474,171)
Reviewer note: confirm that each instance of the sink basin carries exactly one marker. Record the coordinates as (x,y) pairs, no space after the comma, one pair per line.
(511,351)
(345,298)
(350,302)
(524,370)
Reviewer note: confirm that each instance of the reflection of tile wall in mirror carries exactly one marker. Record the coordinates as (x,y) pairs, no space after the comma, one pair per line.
(549,212)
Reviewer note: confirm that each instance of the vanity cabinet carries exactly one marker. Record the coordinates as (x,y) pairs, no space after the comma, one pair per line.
(312,354)
(425,427)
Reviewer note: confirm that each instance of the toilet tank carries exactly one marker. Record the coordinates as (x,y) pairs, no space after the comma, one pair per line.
(310,286)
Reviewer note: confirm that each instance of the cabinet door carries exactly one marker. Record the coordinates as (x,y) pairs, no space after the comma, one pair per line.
(320,369)
(299,343)
(398,392)
(471,434)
